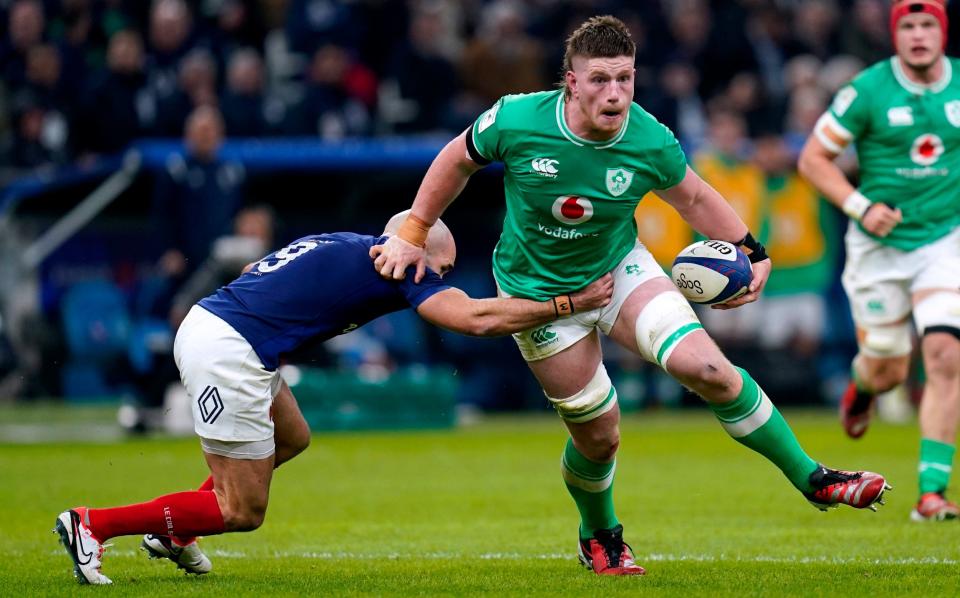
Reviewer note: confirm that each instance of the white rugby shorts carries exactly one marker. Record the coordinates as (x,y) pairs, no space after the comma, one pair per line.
(543,341)
(231,392)
(879,280)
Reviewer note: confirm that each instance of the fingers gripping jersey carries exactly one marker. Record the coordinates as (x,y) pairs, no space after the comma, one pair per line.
(908,144)
(570,201)
(312,290)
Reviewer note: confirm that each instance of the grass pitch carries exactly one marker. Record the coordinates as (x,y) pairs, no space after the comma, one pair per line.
(483,511)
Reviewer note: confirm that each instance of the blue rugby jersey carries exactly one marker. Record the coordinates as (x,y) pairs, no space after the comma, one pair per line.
(314,289)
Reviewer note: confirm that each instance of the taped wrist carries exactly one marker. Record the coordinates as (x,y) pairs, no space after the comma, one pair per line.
(414,231)
(563,305)
(758,252)
(856,205)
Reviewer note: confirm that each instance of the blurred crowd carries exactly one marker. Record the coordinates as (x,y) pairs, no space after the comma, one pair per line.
(86,77)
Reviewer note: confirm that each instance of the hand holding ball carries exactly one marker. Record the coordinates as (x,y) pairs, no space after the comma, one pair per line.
(710,272)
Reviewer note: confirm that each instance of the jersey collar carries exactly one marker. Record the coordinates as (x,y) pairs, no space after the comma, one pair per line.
(918,88)
(576,140)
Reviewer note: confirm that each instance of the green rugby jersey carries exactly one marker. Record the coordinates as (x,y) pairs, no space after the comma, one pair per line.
(908,142)
(570,201)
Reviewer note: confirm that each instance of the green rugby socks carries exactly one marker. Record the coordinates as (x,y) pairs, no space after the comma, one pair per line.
(936,463)
(591,486)
(753,421)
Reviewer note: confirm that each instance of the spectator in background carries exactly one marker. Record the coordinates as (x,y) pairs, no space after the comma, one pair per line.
(196,86)
(746,94)
(171,28)
(25,27)
(770,37)
(246,110)
(116,108)
(502,58)
(869,38)
(197,197)
(815,26)
(314,23)
(41,127)
(676,103)
(340,97)
(37,138)
(424,74)
(236,24)
(72,31)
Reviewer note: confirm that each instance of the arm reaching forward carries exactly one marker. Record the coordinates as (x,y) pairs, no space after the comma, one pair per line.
(445,179)
(455,310)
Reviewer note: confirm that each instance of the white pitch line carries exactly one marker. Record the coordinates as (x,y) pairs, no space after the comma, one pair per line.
(516,556)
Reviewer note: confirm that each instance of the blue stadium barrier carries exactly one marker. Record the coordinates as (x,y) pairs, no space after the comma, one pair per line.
(257,156)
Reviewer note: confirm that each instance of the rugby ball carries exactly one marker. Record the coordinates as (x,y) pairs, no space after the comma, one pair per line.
(710,272)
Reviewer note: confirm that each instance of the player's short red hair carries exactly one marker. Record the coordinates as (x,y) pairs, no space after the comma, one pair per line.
(901,8)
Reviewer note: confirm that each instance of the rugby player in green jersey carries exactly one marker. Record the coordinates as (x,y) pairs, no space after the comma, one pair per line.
(576,163)
(903,241)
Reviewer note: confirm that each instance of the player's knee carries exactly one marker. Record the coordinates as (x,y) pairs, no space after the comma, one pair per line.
(938,319)
(601,446)
(593,400)
(714,379)
(941,356)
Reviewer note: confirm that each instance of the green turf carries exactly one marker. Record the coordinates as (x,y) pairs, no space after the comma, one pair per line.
(483,511)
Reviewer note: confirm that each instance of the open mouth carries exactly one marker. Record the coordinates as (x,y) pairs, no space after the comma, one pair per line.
(610,113)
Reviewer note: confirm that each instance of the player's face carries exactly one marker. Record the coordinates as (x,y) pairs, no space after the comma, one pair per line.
(602,89)
(919,40)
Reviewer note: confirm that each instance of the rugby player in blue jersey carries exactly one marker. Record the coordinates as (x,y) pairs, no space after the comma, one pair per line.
(228,350)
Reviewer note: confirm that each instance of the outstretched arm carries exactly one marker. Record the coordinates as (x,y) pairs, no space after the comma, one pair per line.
(713,217)
(455,310)
(445,179)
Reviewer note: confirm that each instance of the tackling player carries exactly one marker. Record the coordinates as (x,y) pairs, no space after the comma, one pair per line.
(576,163)
(903,241)
(228,350)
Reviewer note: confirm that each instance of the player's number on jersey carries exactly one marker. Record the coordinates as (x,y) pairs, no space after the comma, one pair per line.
(286,255)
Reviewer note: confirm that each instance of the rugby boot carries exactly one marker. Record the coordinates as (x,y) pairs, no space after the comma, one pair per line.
(607,554)
(859,489)
(188,557)
(855,410)
(933,506)
(84,549)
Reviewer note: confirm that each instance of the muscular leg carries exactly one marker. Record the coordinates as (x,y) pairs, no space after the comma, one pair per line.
(738,402)
(291,437)
(588,462)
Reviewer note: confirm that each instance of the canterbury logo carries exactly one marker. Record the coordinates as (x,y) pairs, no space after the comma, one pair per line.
(545,166)
(210,404)
(542,336)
